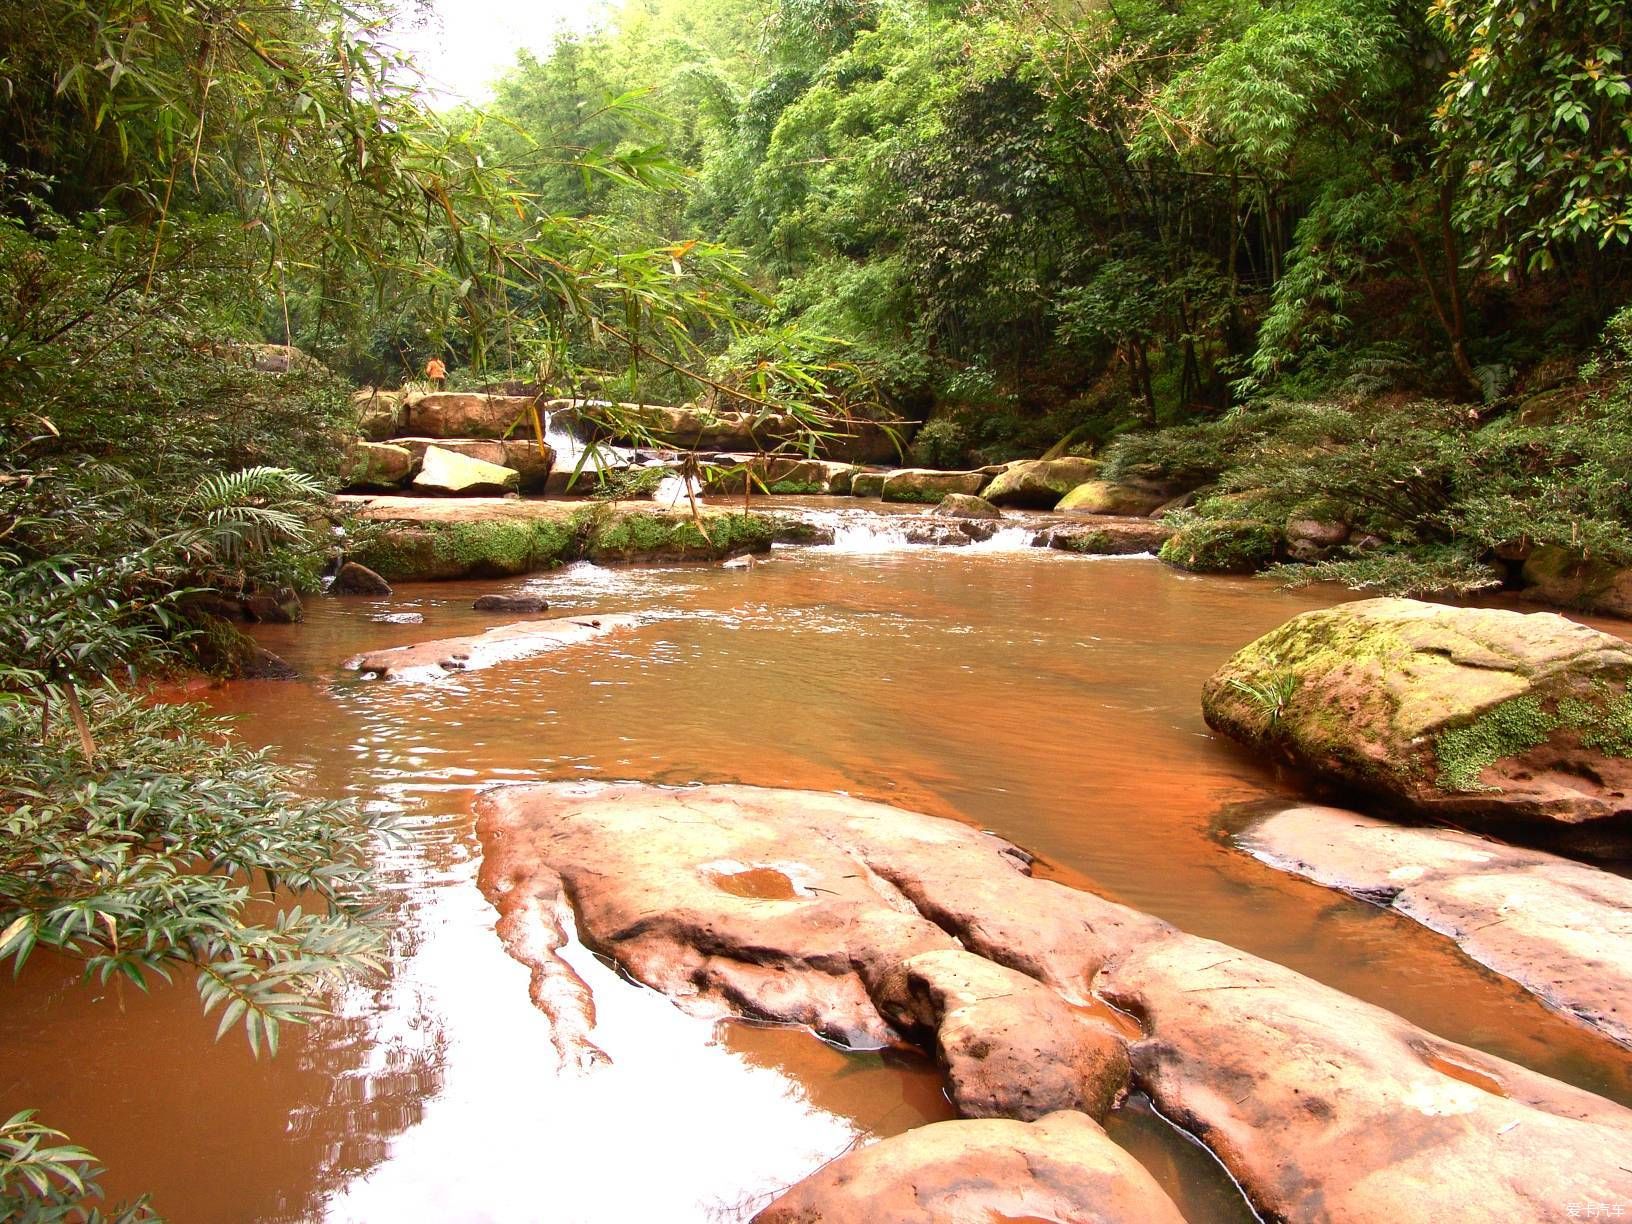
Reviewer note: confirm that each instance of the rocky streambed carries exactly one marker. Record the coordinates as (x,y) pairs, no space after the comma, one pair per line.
(875,925)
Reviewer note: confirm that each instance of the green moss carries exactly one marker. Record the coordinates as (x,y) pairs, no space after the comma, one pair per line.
(1228,546)
(500,548)
(1600,718)
(924,496)
(1095,543)
(797,488)
(1507,730)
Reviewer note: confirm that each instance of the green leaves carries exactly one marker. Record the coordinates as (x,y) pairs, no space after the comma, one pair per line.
(46,1181)
(1534,114)
(154,857)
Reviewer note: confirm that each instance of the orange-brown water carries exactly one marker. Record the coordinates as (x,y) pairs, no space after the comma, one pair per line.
(1051,698)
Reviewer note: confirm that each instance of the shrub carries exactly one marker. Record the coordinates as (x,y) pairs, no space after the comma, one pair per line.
(1222,546)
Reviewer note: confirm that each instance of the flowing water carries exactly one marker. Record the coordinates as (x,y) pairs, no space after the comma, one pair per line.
(1051,698)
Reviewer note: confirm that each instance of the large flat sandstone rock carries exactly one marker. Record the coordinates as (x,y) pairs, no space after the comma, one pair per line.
(1062,1168)
(868,923)
(1560,929)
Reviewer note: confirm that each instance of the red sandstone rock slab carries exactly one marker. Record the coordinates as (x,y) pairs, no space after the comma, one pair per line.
(820,909)
(1559,929)
(1062,1168)
(501,644)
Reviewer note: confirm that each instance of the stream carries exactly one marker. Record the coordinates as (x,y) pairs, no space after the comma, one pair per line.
(1051,698)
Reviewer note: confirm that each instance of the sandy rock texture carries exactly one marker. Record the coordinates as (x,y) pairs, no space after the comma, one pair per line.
(1522,722)
(1560,929)
(859,920)
(1061,1168)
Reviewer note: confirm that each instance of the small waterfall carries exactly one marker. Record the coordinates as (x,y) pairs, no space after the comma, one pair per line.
(1007,539)
(676,491)
(867,532)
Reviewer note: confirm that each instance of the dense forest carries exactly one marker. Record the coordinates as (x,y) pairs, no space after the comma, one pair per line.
(1366,260)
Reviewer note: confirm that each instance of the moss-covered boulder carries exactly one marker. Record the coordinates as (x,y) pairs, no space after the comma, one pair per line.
(641,536)
(1565,579)
(1040,483)
(379,413)
(449,473)
(1111,537)
(966,506)
(376,465)
(928,485)
(1222,546)
(1115,497)
(1522,722)
(484,548)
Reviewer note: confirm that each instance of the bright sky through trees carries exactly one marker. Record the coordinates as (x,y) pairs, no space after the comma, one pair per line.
(462,45)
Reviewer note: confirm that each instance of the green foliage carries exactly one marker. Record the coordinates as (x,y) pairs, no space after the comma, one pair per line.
(1222,546)
(1271,696)
(1507,730)
(1600,717)
(942,443)
(1537,114)
(45,1180)
(168,848)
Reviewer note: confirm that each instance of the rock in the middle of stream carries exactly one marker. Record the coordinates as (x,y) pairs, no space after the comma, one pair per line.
(1522,721)
(876,926)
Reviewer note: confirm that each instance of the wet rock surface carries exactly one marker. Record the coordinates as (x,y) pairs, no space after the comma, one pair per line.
(825,911)
(1521,722)
(1062,1167)
(927,484)
(966,506)
(515,602)
(505,643)
(1106,536)
(355,579)
(1560,929)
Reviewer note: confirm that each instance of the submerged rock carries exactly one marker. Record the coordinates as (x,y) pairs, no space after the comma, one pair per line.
(825,911)
(515,602)
(1040,483)
(1063,1167)
(447,472)
(261,664)
(430,660)
(1561,930)
(1521,721)
(355,579)
(399,618)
